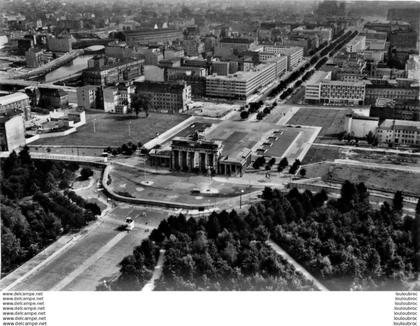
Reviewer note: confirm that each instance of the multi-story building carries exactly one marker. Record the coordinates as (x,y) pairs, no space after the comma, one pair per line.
(166,97)
(397,89)
(53,97)
(12,132)
(242,84)
(117,99)
(193,47)
(118,50)
(193,76)
(16,103)
(152,36)
(307,42)
(294,54)
(358,44)
(408,14)
(412,66)
(59,44)
(238,44)
(342,93)
(103,73)
(324,34)
(89,97)
(220,68)
(399,132)
(36,57)
(320,89)
(404,40)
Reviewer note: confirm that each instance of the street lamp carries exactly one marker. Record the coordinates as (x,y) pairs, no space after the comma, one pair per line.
(240,199)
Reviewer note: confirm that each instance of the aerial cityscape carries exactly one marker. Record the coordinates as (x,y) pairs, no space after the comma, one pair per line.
(209,145)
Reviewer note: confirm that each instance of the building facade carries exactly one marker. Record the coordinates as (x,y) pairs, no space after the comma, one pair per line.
(242,84)
(399,132)
(16,103)
(104,74)
(152,36)
(12,132)
(89,97)
(294,54)
(166,97)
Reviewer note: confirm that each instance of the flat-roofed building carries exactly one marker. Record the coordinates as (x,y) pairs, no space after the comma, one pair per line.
(166,97)
(239,44)
(294,54)
(152,36)
(342,93)
(312,87)
(242,84)
(117,99)
(396,89)
(89,97)
(16,103)
(399,132)
(53,97)
(321,89)
(358,44)
(106,74)
(193,76)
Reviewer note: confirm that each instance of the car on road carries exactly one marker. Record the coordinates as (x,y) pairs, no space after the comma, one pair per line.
(129,224)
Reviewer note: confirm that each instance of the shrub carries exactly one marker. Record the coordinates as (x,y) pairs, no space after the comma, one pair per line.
(86,173)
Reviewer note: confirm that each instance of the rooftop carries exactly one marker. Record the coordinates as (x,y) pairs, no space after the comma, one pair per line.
(236,40)
(11,98)
(243,75)
(401,124)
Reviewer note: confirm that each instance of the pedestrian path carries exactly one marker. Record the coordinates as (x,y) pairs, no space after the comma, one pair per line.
(297,266)
(156,273)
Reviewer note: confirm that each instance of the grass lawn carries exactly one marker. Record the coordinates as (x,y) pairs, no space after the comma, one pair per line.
(114,130)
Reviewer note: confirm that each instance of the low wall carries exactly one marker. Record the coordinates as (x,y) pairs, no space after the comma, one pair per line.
(169,133)
(56,134)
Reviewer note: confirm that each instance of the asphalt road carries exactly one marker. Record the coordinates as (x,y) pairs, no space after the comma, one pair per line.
(96,255)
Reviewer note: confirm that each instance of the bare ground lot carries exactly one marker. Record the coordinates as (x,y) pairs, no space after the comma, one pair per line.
(331,120)
(114,130)
(374,177)
(320,153)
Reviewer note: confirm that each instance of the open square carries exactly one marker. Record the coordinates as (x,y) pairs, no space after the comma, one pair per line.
(103,129)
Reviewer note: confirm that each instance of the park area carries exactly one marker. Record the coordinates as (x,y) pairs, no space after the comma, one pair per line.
(330,119)
(104,129)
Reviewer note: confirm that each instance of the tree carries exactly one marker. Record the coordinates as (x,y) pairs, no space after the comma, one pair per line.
(397,202)
(86,173)
(302,172)
(141,102)
(244,115)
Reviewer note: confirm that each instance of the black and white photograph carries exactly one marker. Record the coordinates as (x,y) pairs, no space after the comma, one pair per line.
(209,149)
